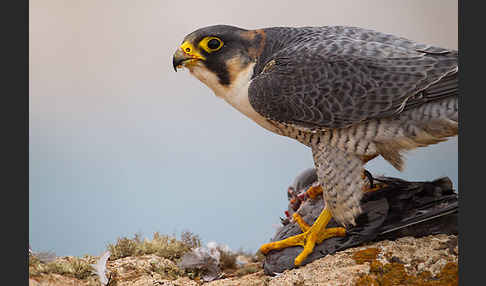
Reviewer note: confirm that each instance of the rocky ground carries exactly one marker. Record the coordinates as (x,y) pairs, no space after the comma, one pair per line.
(430,260)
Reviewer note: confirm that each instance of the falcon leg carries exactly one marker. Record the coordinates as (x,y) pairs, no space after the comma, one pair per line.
(314,234)
(318,232)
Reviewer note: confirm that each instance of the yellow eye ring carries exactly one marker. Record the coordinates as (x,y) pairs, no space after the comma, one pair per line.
(211,44)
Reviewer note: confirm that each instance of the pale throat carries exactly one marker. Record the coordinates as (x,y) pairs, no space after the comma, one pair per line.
(236,93)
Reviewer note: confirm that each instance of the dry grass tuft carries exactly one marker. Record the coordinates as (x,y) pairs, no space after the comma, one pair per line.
(165,246)
(71,266)
(167,271)
(248,269)
(227,259)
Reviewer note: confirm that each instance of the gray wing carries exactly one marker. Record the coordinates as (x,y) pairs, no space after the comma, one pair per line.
(339,82)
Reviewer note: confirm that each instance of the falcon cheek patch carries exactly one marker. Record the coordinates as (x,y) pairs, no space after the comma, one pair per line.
(222,77)
(209,78)
(235,66)
(219,68)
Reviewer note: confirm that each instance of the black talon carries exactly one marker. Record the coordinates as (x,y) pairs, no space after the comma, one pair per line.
(370,178)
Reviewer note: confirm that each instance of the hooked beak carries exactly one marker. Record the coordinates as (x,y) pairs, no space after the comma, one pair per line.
(185,55)
(179,58)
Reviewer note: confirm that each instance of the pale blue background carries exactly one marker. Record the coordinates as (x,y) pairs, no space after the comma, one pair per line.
(120,144)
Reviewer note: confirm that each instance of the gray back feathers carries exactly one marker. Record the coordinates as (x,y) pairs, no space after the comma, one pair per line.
(333,77)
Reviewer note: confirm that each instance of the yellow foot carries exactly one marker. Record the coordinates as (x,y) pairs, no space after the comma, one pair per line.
(312,235)
(314,191)
(376,187)
(302,224)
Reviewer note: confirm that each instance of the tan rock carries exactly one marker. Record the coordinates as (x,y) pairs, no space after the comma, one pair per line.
(430,253)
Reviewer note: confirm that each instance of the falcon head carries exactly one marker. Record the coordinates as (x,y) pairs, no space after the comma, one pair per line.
(219,55)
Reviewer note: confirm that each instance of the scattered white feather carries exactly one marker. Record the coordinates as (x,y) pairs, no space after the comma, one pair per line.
(212,245)
(212,250)
(241,260)
(205,258)
(225,248)
(45,257)
(100,267)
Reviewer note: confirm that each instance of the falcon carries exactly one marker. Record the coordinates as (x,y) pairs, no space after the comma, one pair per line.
(348,93)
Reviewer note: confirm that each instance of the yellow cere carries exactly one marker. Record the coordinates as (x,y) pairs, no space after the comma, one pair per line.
(189,50)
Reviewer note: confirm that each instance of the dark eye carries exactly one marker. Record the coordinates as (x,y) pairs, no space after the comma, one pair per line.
(214,44)
(211,44)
